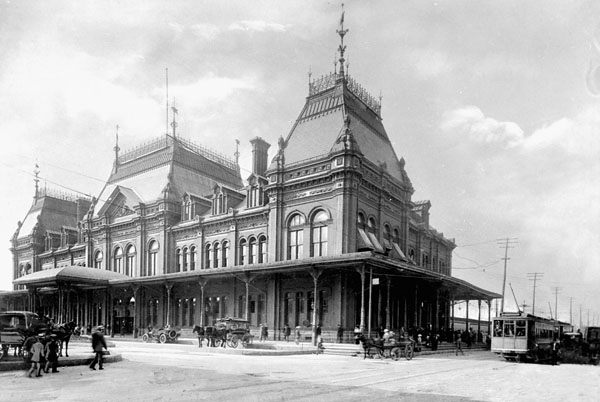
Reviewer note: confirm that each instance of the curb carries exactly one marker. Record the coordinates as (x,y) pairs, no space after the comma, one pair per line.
(62,362)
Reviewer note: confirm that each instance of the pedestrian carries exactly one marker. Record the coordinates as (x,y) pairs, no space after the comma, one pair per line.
(555,347)
(286,333)
(340,333)
(458,342)
(98,346)
(357,334)
(37,350)
(264,332)
(51,353)
(297,335)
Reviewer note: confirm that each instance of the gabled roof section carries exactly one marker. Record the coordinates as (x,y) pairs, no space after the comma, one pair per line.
(331,99)
(169,163)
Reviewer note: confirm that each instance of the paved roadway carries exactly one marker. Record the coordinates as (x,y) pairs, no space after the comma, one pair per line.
(155,372)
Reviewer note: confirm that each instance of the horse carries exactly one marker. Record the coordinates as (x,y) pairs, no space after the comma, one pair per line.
(216,336)
(63,334)
(199,331)
(370,344)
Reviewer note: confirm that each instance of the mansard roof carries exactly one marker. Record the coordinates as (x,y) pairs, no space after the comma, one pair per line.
(316,130)
(53,212)
(169,163)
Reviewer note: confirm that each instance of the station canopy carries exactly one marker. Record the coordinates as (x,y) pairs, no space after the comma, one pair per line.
(74,274)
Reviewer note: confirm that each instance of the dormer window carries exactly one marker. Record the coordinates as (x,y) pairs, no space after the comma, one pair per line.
(219,204)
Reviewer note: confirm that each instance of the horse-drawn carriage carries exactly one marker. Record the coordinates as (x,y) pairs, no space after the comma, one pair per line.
(162,335)
(16,327)
(224,332)
(393,348)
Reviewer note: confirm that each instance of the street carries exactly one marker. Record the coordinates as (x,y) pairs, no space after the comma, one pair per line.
(175,372)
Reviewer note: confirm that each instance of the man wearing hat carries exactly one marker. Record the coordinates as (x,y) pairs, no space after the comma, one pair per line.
(51,353)
(98,345)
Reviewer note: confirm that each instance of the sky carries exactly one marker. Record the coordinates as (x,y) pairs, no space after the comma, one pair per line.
(494,106)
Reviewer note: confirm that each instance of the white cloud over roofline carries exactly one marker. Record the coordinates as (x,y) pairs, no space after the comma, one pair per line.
(471,121)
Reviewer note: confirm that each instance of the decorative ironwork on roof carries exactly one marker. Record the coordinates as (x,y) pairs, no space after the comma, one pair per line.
(61,195)
(329,81)
(164,142)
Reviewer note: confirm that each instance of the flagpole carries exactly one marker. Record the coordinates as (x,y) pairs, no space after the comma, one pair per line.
(167,100)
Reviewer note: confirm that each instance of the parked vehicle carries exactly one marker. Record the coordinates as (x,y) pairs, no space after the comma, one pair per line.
(525,337)
(162,335)
(16,327)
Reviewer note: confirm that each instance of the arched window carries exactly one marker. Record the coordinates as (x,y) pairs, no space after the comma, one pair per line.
(152,257)
(319,235)
(184,259)
(225,254)
(217,250)
(373,234)
(243,258)
(207,256)
(98,257)
(262,249)
(252,250)
(130,260)
(118,260)
(295,237)
(193,258)
(178,260)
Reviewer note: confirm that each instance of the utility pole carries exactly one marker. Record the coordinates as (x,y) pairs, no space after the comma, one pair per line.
(507,244)
(570,310)
(556,290)
(580,320)
(534,277)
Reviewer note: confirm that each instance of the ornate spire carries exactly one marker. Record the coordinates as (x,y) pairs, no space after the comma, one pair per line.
(237,152)
(174,122)
(116,148)
(342,47)
(36,172)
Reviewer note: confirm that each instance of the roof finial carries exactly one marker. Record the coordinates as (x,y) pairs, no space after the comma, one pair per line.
(342,47)
(237,150)
(116,148)
(335,62)
(36,172)
(174,122)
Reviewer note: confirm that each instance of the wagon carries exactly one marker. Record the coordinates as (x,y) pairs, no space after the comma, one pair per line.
(236,330)
(16,327)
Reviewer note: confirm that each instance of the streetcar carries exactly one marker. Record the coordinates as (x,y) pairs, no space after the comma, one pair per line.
(525,337)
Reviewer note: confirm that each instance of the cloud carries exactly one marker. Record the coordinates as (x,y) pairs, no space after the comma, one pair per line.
(206,31)
(430,63)
(576,136)
(471,121)
(257,25)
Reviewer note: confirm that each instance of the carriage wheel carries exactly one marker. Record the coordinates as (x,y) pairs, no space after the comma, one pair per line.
(234,342)
(395,353)
(145,338)
(409,352)
(162,338)
(218,342)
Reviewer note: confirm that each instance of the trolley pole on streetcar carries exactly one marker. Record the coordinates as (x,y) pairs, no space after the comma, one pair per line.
(507,243)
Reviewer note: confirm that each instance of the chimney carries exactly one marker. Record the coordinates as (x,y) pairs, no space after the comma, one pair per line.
(259,156)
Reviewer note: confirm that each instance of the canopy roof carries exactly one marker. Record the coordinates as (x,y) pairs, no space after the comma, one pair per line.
(72,274)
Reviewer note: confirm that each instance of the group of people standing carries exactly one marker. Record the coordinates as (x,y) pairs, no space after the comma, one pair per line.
(44,352)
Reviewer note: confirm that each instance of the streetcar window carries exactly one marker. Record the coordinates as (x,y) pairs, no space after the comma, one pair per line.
(509,328)
(520,331)
(497,328)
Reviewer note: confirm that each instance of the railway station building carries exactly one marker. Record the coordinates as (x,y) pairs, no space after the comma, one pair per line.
(323,232)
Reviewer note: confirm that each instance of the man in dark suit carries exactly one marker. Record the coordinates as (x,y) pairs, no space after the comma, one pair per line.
(98,345)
